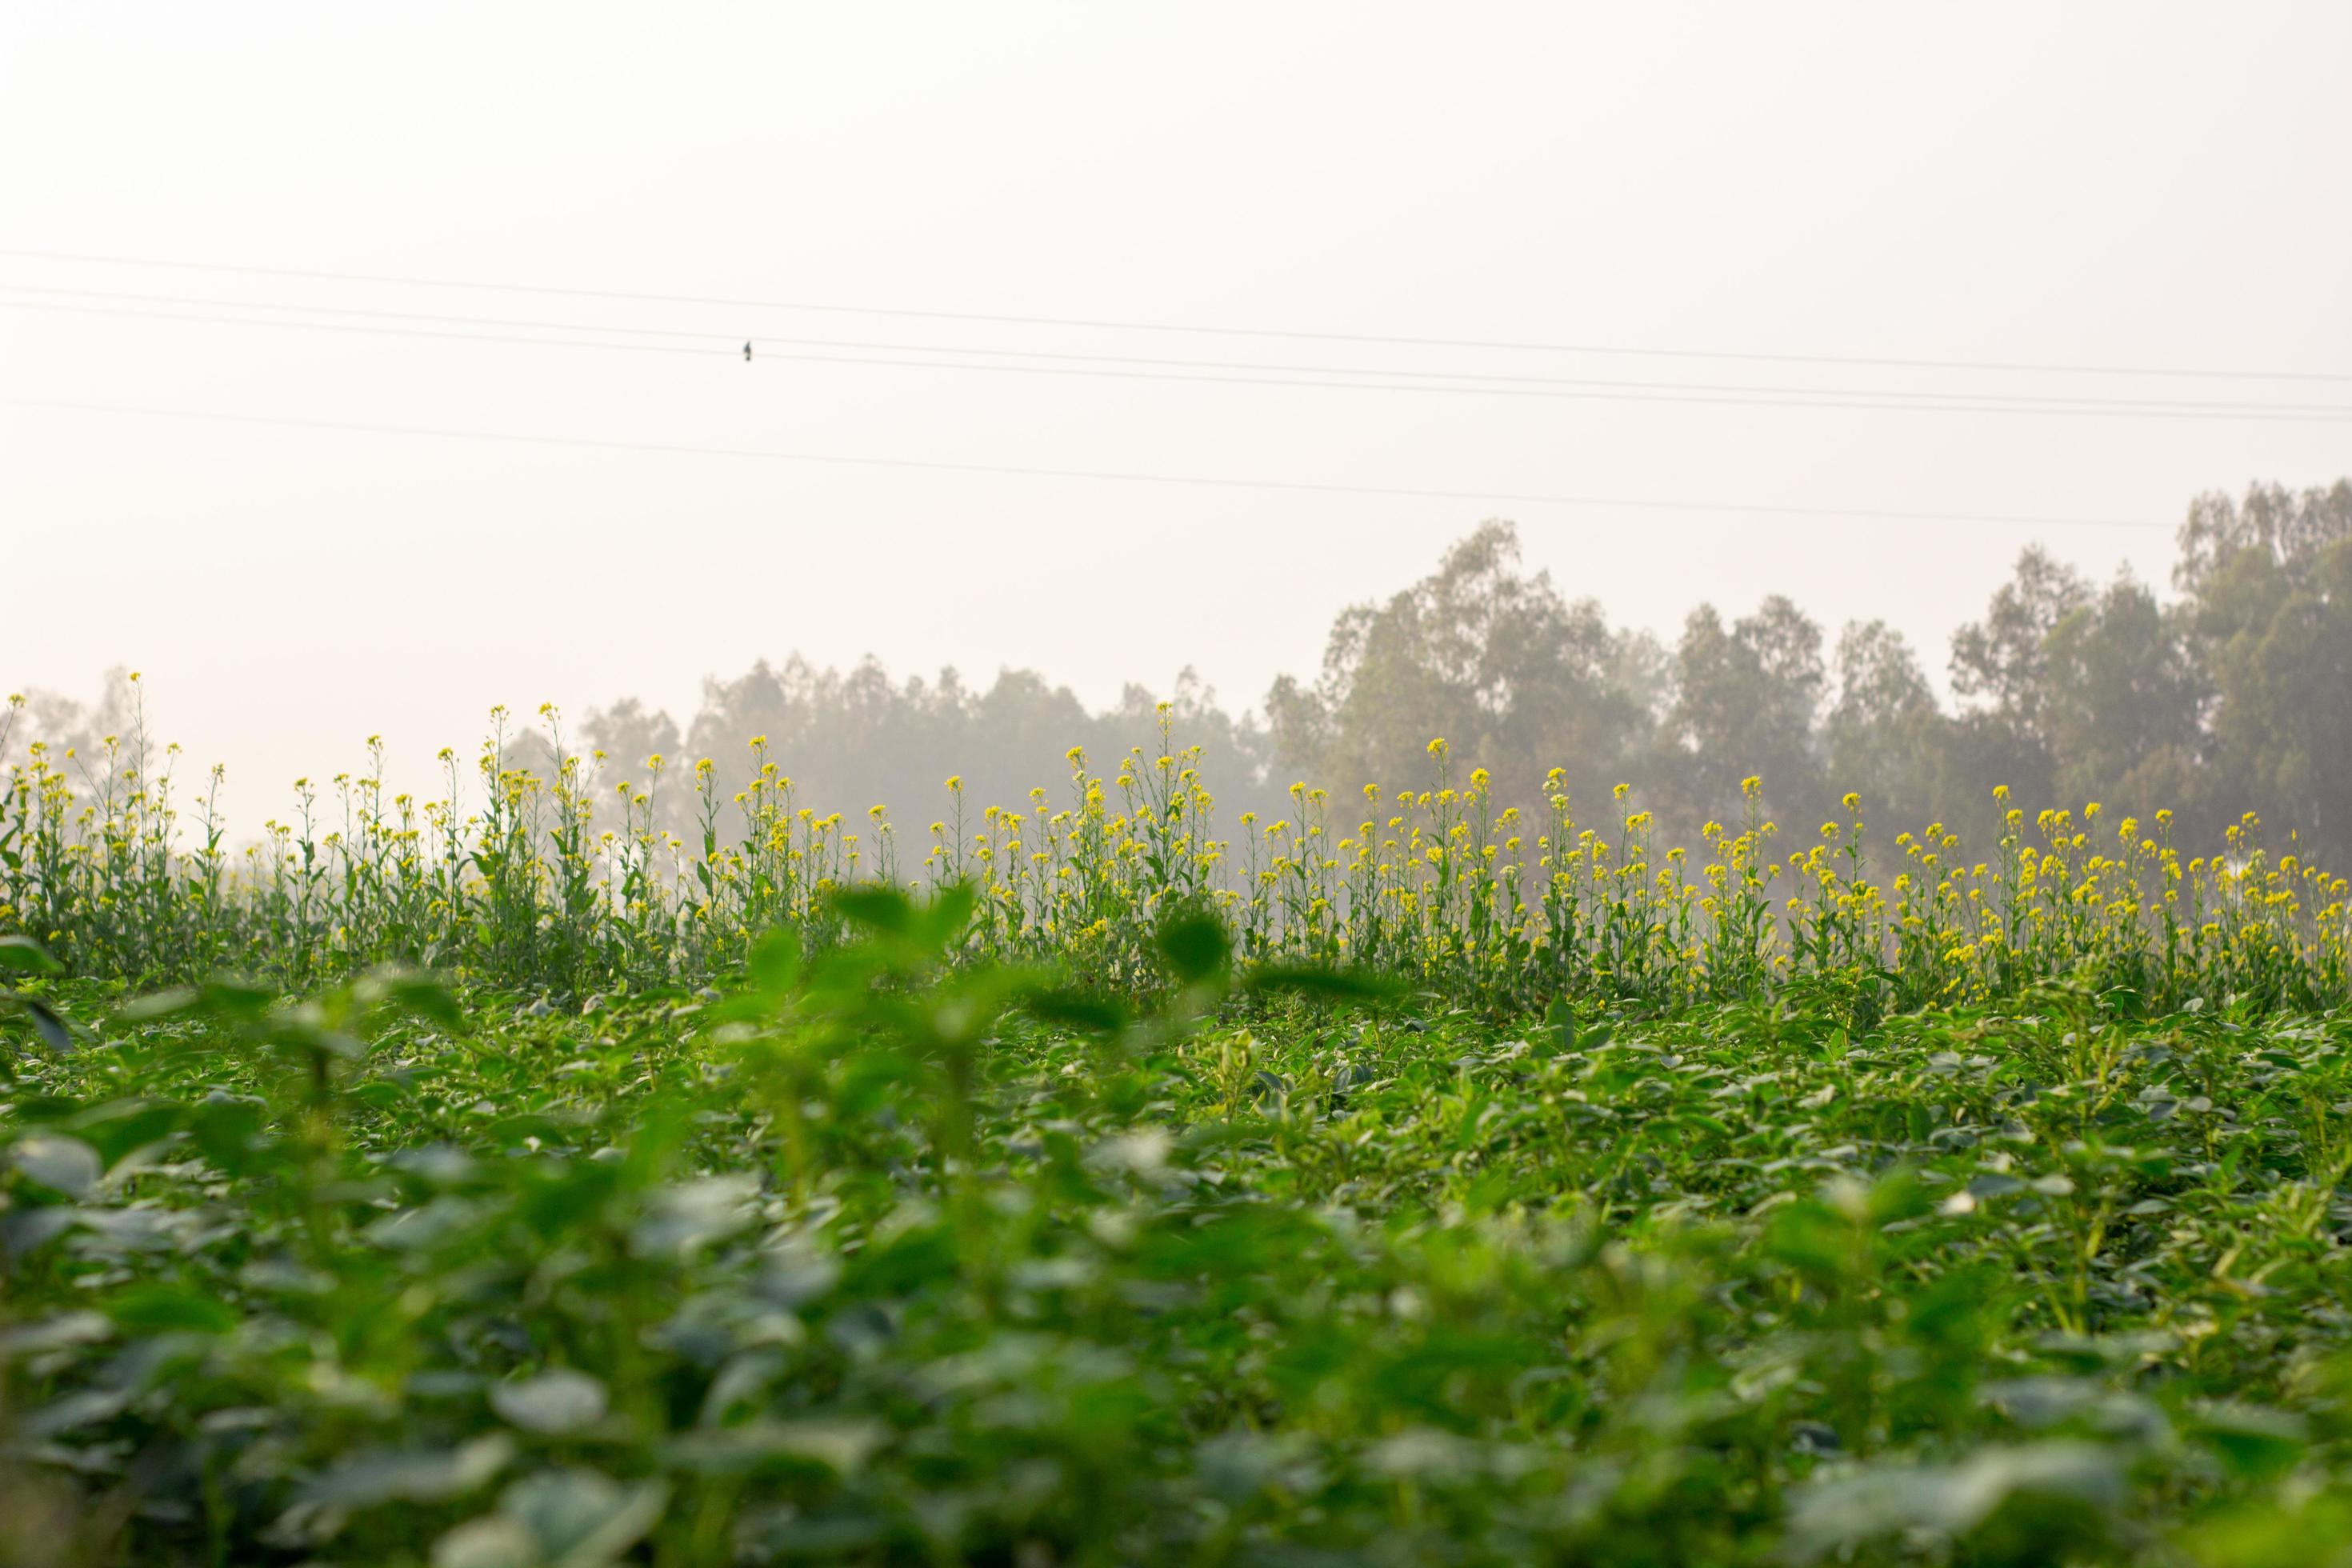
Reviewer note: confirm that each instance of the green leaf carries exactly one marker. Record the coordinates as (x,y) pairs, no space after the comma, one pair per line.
(1948,1501)
(62,1164)
(1807,1235)
(65,1331)
(774,961)
(81,1408)
(237,1000)
(160,1004)
(840,1446)
(1195,946)
(119,1126)
(379,1094)
(946,915)
(886,910)
(493,1541)
(1898,1196)
(2253,1442)
(691,1213)
(1075,1009)
(411,992)
(581,1519)
(1321,983)
(156,1308)
(557,1400)
(25,957)
(47,1023)
(412,1475)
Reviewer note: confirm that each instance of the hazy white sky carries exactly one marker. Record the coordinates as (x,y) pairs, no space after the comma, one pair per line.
(2110,184)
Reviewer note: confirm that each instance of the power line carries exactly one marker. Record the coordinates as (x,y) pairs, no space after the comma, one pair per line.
(1117,476)
(49,308)
(1105,324)
(716,341)
(727,338)
(1760,398)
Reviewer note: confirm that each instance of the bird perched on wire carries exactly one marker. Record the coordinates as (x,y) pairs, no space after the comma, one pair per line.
(747,350)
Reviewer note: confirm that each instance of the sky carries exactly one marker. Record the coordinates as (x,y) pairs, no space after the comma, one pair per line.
(2141,186)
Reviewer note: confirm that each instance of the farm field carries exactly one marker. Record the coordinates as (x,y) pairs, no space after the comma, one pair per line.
(869,1258)
(1099,1189)
(1561,785)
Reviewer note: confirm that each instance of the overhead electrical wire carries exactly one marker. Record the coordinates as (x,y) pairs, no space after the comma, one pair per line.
(706,343)
(715,343)
(1109,325)
(1794,398)
(1115,476)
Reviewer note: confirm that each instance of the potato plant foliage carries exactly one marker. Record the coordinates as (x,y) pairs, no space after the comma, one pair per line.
(883,1253)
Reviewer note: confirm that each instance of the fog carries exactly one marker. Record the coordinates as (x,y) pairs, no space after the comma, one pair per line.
(315,514)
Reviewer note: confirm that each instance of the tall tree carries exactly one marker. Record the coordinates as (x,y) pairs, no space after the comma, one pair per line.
(2269,582)
(64,725)
(2000,668)
(2121,704)
(1496,661)
(1885,734)
(1745,700)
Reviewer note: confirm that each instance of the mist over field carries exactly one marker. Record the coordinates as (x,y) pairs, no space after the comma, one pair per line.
(2218,692)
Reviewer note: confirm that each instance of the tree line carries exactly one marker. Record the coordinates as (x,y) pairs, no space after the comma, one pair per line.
(2232,695)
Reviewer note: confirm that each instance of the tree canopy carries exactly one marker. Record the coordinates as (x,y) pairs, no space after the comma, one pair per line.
(2232,695)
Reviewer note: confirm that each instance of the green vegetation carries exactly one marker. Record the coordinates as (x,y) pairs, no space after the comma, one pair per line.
(883,1254)
(1443,886)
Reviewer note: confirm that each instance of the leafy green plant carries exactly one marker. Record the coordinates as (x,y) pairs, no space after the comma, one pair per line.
(884,1252)
(531,884)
